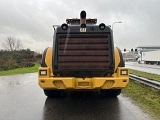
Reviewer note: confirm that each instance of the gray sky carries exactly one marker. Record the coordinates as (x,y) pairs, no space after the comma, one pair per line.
(31,20)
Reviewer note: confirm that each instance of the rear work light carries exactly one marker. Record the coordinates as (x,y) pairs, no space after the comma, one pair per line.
(64,26)
(102,26)
(43,72)
(124,72)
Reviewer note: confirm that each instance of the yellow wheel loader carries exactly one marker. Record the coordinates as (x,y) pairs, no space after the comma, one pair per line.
(82,58)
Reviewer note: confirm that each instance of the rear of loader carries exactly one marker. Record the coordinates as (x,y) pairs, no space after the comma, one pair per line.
(83,58)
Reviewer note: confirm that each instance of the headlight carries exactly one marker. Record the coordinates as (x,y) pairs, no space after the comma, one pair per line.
(124,72)
(43,72)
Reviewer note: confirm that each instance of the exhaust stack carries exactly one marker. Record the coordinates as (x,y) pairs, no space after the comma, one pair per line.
(83,17)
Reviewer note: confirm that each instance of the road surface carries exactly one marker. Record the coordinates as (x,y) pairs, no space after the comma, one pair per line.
(155,69)
(22,99)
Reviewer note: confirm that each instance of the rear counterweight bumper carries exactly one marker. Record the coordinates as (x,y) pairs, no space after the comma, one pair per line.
(118,81)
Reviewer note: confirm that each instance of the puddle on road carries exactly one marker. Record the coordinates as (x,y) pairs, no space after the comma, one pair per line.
(17,80)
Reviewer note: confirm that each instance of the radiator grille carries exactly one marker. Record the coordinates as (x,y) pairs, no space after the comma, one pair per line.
(83,51)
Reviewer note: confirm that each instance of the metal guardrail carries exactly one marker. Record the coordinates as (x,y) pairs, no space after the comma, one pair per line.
(148,82)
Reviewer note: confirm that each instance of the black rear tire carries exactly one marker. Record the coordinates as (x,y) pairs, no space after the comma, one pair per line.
(111,93)
(54,93)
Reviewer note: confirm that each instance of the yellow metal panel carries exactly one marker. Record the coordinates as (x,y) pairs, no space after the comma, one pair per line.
(87,83)
(69,82)
(83,83)
(48,58)
(117,58)
(108,84)
(57,83)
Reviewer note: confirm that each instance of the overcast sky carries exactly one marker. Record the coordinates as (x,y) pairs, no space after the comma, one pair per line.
(31,21)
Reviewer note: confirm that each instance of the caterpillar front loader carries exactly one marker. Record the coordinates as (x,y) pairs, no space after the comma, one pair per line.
(83,58)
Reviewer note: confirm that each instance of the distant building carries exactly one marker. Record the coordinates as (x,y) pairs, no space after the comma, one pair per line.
(129,56)
(148,48)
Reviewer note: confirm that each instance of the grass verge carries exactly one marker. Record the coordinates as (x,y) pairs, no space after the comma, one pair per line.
(20,70)
(147,98)
(145,74)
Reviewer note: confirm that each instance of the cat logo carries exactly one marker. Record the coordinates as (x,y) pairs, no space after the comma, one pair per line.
(83,29)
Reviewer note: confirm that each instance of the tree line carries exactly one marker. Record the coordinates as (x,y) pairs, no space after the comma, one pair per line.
(17,59)
(14,57)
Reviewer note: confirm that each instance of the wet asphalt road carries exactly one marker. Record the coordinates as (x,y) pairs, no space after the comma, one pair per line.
(22,99)
(155,69)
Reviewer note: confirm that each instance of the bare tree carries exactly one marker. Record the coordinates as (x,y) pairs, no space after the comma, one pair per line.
(12,44)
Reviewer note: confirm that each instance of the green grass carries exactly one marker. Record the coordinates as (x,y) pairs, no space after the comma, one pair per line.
(147,98)
(145,74)
(20,70)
